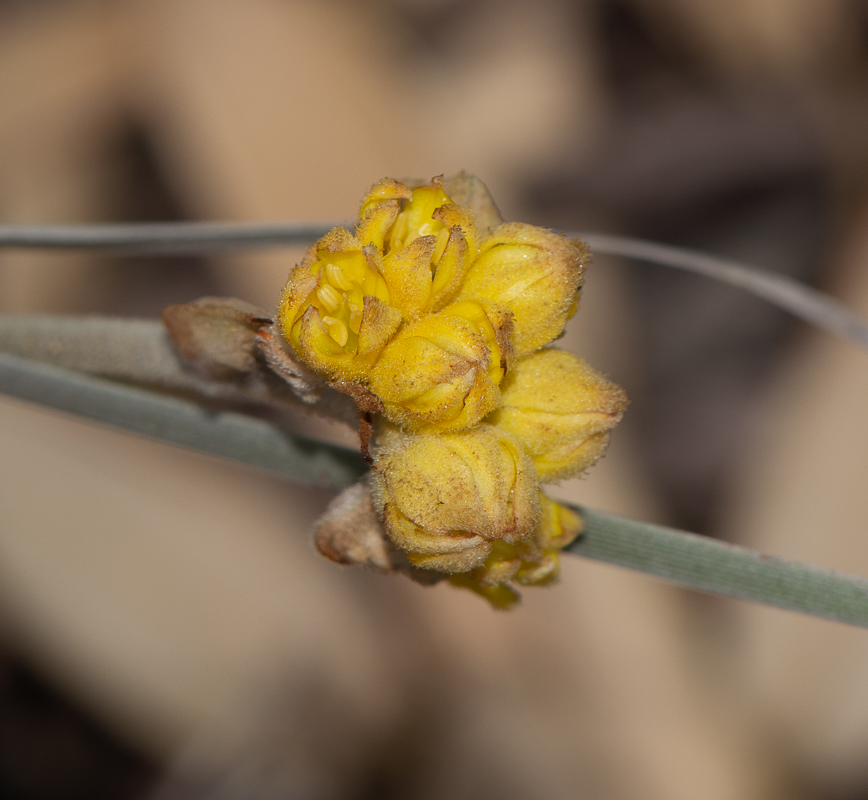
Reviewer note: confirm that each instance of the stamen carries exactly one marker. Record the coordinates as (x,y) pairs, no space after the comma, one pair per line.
(329,297)
(336,275)
(399,232)
(442,239)
(355,321)
(336,329)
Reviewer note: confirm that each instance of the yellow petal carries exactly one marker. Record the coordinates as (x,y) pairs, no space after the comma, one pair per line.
(495,325)
(335,310)
(407,273)
(560,410)
(533,273)
(445,498)
(435,375)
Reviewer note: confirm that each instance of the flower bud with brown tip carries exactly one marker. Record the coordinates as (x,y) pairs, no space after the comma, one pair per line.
(533,273)
(427,242)
(534,561)
(441,373)
(560,410)
(445,499)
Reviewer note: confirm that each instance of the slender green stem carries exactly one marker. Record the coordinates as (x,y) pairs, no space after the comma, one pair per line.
(708,565)
(171,419)
(683,558)
(800,300)
(164,238)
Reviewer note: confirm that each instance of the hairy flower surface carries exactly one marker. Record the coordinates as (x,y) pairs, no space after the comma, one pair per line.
(431,316)
(446,498)
(441,373)
(533,273)
(335,309)
(534,561)
(428,243)
(561,411)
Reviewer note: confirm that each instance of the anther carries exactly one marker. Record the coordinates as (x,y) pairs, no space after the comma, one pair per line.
(355,321)
(336,275)
(336,329)
(442,239)
(329,297)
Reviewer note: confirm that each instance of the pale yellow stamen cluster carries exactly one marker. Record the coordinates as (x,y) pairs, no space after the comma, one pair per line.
(342,297)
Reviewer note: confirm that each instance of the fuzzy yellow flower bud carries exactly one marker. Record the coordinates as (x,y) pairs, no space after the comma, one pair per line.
(441,373)
(531,562)
(559,526)
(533,273)
(427,242)
(445,499)
(335,309)
(560,410)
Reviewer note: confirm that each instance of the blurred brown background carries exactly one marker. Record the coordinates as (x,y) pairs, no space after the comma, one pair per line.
(166,629)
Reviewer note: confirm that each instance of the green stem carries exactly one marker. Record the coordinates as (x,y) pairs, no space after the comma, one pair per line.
(801,301)
(170,419)
(683,558)
(164,238)
(709,565)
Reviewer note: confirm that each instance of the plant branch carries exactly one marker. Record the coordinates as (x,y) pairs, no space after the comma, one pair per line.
(801,301)
(164,238)
(686,559)
(171,419)
(709,565)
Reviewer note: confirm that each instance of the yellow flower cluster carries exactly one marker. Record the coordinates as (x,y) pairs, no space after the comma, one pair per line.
(432,314)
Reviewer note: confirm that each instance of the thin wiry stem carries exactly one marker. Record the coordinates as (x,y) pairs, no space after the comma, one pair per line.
(800,300)
(164,238)
(171,238)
